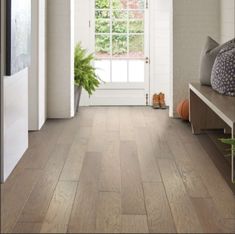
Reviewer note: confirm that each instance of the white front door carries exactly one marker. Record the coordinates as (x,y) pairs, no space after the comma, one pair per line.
(121,45)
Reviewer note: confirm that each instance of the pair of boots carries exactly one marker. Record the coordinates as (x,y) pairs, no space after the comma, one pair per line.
(159,101)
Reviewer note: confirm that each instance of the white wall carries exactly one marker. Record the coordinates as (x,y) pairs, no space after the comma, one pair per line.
(42,105)
(192,22)
(2,64)
(160,15)
(227,20)
(15,120)
(60,62)
(82,33)
(82,14)
(37,70)
(14,111)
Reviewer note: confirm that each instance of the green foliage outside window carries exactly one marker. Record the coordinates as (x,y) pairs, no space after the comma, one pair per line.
(102,4)
(119,14)
(136,26)
(120,38)
(104,14)
(102,44)
(119,44)
(136,43)
(119,26)
(102,26)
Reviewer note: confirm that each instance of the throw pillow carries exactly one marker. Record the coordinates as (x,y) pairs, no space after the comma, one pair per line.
(223,72)
(208,56)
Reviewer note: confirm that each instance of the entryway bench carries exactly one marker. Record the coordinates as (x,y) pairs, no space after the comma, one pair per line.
(211,110)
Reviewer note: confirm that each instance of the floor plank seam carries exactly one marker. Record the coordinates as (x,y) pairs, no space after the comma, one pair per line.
(25,203)
(110,191)
(77,187)
(165,192)
(146,209)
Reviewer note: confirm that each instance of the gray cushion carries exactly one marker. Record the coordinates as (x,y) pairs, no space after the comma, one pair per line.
(208,56)
(223,72)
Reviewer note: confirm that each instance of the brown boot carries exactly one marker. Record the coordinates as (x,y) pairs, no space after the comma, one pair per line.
(156,103)
(162,100)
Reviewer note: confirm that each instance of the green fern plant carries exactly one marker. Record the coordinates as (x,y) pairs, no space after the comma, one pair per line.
(84,73)
(229,142)
(232,143)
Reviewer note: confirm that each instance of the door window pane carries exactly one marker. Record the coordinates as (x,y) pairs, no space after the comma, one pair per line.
(138,15)
(136,4)
(136,26)
(117,14)
(119,4)
(119,46)
(119,71)
(119,26)
(102,26)
(102,14)
(136,71)
(136,46)
(102,45)
(103,69)
(102,4)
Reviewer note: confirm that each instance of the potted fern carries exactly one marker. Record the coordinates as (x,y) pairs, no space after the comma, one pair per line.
(84,74)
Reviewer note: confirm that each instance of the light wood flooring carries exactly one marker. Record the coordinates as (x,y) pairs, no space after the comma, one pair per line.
(116,170)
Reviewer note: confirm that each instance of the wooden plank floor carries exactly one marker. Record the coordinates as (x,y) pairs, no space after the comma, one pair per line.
(116,170)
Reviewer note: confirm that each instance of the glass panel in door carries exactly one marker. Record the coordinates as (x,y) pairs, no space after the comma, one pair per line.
(121,43)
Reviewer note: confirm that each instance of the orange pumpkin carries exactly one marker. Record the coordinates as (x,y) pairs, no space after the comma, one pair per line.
(183,109)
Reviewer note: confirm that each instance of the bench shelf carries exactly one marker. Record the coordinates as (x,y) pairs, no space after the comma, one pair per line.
(210,110)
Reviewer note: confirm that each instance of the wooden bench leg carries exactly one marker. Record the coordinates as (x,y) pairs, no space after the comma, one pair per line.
(195,130)
(196,109)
